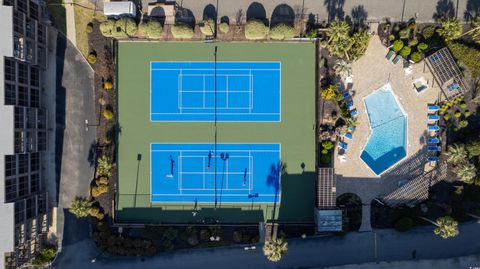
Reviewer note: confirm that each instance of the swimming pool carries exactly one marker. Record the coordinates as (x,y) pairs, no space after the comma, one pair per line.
(387,142)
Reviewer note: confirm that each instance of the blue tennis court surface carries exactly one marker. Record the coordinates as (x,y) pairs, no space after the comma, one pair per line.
(197,91)
(186,173)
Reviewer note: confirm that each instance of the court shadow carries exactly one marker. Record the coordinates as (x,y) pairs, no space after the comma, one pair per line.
(297,198)
(282,14)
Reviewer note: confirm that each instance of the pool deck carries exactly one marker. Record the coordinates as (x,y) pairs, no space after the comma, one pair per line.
(371,72)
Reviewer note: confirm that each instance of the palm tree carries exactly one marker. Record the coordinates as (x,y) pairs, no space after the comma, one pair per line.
(456,154)
(360,43)
(339,41)
(274,249)
(451,29)
(466,172)
(343,68)
(446,226)
(80,207)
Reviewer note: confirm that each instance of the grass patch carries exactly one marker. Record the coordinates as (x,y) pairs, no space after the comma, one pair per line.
(84,14)
(56,10)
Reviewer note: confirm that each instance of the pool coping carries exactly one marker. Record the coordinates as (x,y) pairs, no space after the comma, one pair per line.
(390,89)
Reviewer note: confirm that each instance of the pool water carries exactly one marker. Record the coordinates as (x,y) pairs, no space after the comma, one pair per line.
(387,142)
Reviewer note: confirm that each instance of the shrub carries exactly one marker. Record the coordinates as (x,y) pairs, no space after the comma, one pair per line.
(182,30)
(80,207)
(325,158)
(101,181)
(255,29)
(467,113)
(124,27)
(329,93)
(416,56)
(108,114)
(451,28)
(104,166)
(96,213)
(428,32)
(92,58)
(458,114)
(282,31)
(89,28)
(98,190)
(224,27)
(205,234)
(397,45)
(446,116)
(413,42)
(47,256)
(328,145)
(107,140)
(463,105)
(404,34)
(391,37)
(208,27)
(405,52)
(473,148)
(153,29)
(462,124)
(106,28)
(237,236)
(403,224)
(422,47)
(170,234)
(108,85)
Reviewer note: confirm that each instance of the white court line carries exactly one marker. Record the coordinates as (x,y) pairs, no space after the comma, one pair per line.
(211,69)
(203,165)
(198,150)
(179,159)
(215,91)
(211,113)
(204,194)
(211,173)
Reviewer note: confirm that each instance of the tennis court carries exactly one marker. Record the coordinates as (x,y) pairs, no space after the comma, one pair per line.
(215,91)
(206,173)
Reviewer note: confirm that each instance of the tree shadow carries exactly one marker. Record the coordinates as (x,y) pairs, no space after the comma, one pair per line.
(225,19)
(359,15)
(445,8)
(209,12)
(185,15)
(282,14)
(472,10)
(334,9)
(92,154)
(159,14)
(257,11)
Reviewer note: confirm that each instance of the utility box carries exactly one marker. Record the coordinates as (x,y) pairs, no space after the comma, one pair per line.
(117,9)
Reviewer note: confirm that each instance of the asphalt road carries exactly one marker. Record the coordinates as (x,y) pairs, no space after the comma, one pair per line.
(353,248)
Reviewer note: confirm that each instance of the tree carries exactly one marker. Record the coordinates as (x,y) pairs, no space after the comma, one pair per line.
(456,154)
(360,43)
(329,93)
(274,249)
(466,172)
(282,31)
(473,148)
(104,166)
(405,52)
(446,227)
(397,45)
(124,27)
(450,28)
(153,29)
(339,41)
(106,28)
(80,207)
(255,30)
(182,30)
(208,27)
(342,68)
(475,31)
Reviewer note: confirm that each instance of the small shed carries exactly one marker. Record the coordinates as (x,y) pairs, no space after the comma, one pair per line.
(123,8)
(328,220)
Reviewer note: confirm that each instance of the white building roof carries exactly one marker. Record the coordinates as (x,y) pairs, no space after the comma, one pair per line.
(119,8)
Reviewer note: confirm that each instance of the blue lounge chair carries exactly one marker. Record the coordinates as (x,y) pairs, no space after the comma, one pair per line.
(348,136)
(433,140)
(389,54)
(434,148)
(433,117)
(433,158)
(346,95)
(350,106)
(396,59)
(433,108)
(433,127)
(343,146)
(354,113)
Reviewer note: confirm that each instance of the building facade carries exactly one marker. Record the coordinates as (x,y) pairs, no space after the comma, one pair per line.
(23,131)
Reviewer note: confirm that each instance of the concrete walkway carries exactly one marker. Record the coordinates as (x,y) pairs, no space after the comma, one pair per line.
(75,104)
(354,248)
(70,21)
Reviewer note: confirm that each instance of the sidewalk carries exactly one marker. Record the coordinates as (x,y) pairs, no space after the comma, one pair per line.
(70,19)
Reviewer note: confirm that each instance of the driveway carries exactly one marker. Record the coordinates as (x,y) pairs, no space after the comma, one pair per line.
(325,10)
(74,104)
(354,248)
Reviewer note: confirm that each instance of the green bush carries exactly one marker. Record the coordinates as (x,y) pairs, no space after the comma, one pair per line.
(96,212)
(92,58)
(98,190)
(329,93)
(422,47)
(108,114)
(446,116)
(80,207)
(104,166)
(391,37)
(255,30)
(47,256)
(405,52)
(462,124)
(325,159)
(403,224)
(106,28)
(463,105)
(404,34)
(416,56)
(208,27)
(457,114)
(413,42)
(182,30)
(282,31)
(473,148)
(124,27)
(223,27)
(153,29)
(89,28)
(108,85)
(428,32)
(467,113)
(397,45)
(328,145)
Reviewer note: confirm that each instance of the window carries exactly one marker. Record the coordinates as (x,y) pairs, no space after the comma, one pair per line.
(19,211)
(22,6)
(22,186)
(10,94)
(34,183)
(41,32)
(10,165)
(22,73)
(34,76)
(31,141)
(19,138)
(10,189)
(35,162)
(18,22)
(33,10)
(22,163)
(31,207)
(34,97)
(9,69)
(19,116)
(8,2)
(31,118)
(41,119)
(22,96)
(42,141)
